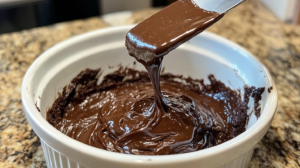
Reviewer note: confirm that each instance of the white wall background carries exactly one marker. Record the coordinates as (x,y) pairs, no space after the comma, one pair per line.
(109,6)
(285,9)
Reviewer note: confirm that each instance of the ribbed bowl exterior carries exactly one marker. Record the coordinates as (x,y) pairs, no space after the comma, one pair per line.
(241,162)
(54,159)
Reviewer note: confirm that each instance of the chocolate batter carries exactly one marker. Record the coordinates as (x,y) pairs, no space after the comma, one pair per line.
(128,113)
(120,114)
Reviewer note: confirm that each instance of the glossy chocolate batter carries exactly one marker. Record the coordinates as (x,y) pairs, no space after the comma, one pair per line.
(128,113)
(120,114)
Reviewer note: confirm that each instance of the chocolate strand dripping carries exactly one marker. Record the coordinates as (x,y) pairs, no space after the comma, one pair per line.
(152,39)
(149,41)
(154,70)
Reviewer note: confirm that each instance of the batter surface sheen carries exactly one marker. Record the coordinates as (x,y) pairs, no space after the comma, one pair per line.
(121,115)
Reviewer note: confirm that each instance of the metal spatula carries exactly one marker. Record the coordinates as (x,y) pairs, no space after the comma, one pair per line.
(219,6)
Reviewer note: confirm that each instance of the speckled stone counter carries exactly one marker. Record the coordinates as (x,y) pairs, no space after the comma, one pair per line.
(251,25)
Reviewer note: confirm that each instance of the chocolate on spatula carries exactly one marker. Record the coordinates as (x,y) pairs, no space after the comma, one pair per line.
(168,29)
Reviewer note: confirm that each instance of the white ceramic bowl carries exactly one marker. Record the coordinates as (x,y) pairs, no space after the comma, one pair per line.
(203,55)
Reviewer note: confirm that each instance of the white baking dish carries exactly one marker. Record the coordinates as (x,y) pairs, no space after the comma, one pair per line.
(203,55)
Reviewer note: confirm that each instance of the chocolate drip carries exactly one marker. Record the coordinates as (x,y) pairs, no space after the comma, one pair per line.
(152,39)
(154,70)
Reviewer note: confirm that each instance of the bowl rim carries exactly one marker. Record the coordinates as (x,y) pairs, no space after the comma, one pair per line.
(34,114)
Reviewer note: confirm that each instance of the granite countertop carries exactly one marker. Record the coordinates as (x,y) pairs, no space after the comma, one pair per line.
(276,44)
